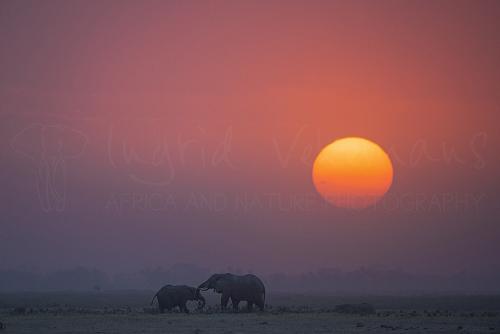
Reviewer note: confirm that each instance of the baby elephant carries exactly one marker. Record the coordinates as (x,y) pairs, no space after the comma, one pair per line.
(171,296)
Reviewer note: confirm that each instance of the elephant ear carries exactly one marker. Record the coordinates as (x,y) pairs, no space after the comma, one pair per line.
(222,281)
(28,142)
(219,285)
(39,141)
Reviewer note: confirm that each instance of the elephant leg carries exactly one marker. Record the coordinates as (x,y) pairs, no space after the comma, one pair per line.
(184,308)
(260,304)
(236,304)
(224,299)
(249,306)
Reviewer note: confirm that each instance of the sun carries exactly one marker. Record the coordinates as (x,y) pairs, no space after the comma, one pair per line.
(352,172)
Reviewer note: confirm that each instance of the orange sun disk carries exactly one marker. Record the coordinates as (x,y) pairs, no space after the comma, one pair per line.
(352,172)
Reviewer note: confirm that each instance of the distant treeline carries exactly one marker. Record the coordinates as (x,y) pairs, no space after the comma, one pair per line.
(332,281)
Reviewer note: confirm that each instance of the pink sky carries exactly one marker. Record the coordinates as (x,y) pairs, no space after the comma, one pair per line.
(120,120)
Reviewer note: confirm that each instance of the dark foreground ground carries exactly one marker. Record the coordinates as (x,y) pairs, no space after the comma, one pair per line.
(130,312)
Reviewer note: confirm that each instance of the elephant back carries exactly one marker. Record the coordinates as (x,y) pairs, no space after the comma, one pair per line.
(253,282)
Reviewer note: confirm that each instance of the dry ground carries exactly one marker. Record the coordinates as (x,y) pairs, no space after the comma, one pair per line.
(130,313)
(247,323)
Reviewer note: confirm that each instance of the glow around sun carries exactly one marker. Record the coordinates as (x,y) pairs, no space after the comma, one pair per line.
(352,172)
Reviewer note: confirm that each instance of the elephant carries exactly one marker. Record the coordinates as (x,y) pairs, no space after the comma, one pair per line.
(247,288)
(171,296)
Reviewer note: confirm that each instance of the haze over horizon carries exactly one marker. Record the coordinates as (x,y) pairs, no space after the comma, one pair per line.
(154,133)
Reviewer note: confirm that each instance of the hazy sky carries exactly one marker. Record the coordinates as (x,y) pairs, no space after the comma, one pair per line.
(138,134)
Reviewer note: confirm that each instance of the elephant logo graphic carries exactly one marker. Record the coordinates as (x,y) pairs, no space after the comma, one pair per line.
(50,147)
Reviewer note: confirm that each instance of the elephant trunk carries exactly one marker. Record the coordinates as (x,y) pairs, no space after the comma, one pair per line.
(200,299)
(204,286)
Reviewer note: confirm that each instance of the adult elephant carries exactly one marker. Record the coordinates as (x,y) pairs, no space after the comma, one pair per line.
(247,288)
(171,296)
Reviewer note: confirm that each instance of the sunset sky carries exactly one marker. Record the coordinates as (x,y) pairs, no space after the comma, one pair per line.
(141,134)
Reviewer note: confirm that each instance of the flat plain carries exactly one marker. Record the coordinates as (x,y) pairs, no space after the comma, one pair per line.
(130,312)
